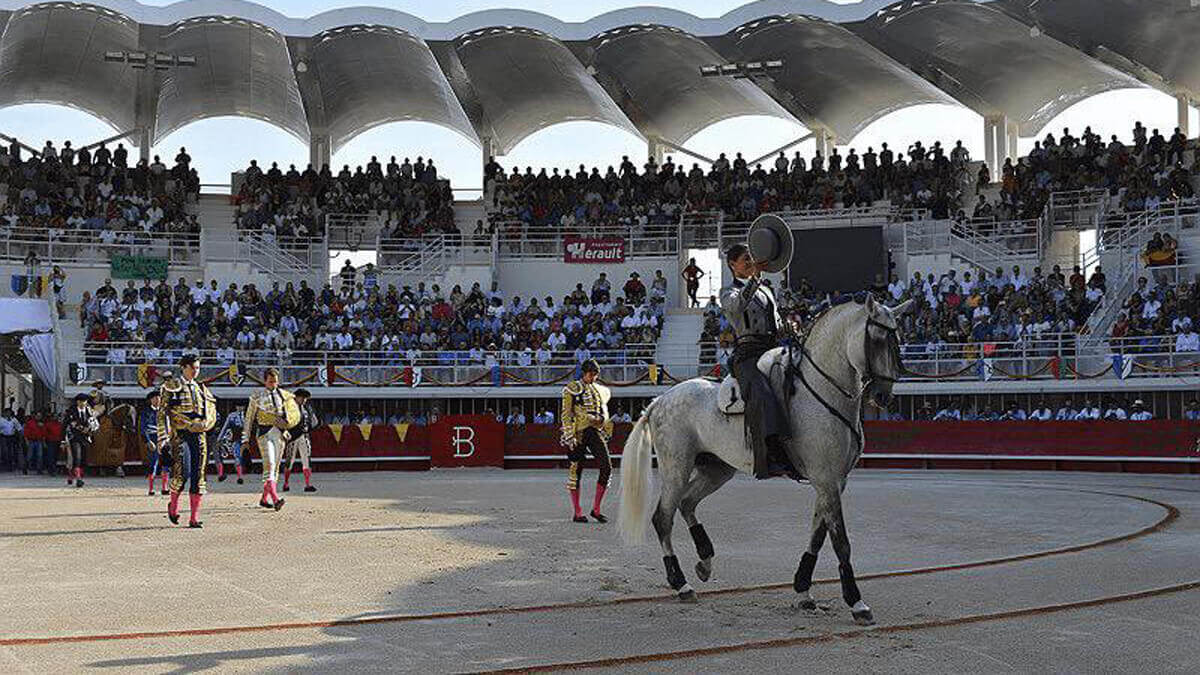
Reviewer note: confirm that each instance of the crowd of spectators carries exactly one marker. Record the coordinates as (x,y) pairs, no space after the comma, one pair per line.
(405,325)
(1107,408)
(59,191)
(1012,307)
(29,441)
(411,197)
(1159,318)
(922,177)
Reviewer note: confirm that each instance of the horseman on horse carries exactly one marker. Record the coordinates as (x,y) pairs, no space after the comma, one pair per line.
(849,356)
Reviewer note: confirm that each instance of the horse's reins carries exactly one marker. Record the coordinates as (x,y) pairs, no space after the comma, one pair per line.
(795,367)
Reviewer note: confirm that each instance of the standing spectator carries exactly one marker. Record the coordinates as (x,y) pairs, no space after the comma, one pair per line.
(348,275)
(35,440)
(58,285)
(52,437)
(691,277)
(8,440)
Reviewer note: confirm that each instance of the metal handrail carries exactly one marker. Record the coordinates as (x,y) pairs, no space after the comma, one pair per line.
(59,245)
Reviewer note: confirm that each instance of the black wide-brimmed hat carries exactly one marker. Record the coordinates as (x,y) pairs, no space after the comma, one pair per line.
(770,241)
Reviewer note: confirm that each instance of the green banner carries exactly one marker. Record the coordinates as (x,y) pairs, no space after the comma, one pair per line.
(138,267)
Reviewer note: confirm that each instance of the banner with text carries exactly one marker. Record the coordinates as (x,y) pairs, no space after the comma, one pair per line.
(138,267)
(592,250)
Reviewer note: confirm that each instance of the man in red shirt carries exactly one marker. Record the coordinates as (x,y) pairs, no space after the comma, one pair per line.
(35,440)
(634,289)
(52,434)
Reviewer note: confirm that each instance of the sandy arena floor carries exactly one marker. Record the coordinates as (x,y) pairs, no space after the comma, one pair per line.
(453,571)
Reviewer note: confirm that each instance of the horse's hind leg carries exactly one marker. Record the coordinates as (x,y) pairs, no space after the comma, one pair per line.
(663,521)
(707,480)
(802,582)
(829,504)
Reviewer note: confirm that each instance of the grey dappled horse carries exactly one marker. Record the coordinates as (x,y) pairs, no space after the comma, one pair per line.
(851,355)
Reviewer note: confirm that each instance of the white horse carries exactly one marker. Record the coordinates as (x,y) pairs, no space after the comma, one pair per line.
(851,355)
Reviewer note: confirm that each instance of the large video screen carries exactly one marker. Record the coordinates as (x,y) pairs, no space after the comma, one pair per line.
(848,259)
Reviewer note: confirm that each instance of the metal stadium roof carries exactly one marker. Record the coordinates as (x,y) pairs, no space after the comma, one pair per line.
(500,75)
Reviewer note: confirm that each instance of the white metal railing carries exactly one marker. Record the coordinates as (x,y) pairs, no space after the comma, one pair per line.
(283,258)
(517,240)
(1029,358)
(1074,209)
(369,368)
(58,245)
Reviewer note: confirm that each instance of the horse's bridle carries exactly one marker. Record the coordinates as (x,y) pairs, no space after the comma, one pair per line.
(796,372)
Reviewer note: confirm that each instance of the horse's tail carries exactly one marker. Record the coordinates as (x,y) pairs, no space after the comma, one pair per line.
(635,480)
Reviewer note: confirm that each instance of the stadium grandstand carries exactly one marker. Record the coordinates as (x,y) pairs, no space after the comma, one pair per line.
(1033,276)
(988,247)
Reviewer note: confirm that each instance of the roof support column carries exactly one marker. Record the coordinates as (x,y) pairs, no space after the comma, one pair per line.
(655,149)
(319,151)
(146,110)
(1014,133)
(989,146)
(824,140)
(1183,107)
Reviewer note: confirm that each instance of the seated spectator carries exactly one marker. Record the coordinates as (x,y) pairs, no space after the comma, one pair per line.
(1114,411)
(1088,411)
(1066,412)
(1139,412)
(1041,412)
(1013,412)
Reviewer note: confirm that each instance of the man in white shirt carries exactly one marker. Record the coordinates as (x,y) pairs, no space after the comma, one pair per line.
(1065,412)
(1188,341)
(1115,412)
(1088,411)
(516,418)
(1140,414)
(950,412)
(1041,412)
(896,288)
(1150,308)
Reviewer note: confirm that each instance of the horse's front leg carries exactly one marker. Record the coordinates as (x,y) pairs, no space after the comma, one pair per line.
(829,502)
(802,582)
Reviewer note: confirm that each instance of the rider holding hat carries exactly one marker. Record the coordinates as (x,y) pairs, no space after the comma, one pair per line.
(751,309)
(586,427)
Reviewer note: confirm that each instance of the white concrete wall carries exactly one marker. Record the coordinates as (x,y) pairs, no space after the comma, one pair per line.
(539,278)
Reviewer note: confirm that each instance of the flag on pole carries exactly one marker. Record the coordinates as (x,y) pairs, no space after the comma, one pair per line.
(1056,367)
(984,369)
(1122,365)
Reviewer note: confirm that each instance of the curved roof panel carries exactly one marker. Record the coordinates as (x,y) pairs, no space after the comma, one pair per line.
(1160,36)
(830,77)
(372,75)
(243,69)
(524,80)
(990,61)
(54,53)
(181,10)
(654,72)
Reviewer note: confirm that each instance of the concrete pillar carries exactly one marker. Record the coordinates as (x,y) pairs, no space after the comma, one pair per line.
(1013,134)
(989,145)
(655,150)
(319,150)
(143,142)
(824,141)
(1183,107)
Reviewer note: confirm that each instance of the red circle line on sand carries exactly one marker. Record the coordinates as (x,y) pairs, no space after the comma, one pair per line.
(1172,514)
(778,643)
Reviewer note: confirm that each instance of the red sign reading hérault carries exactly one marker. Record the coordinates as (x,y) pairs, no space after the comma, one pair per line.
(593,250)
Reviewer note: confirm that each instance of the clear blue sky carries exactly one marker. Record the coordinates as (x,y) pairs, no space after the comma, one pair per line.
(222,145)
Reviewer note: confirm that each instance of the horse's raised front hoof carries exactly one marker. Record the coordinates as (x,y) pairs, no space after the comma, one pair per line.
(862,614)
(704,569)
(687,596)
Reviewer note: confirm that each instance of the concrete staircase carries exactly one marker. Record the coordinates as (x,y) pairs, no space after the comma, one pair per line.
(678,347)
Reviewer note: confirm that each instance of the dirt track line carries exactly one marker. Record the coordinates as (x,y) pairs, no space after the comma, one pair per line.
(1172,514)
(849,634)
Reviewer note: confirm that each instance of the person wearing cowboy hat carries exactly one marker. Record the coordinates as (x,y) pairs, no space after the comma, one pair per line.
(1140,414)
